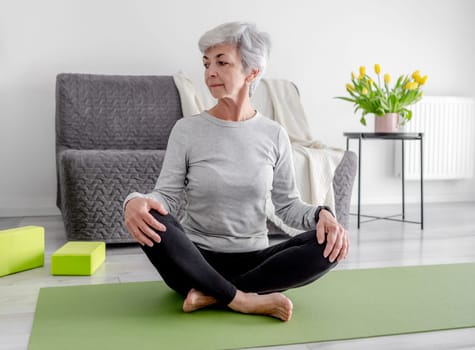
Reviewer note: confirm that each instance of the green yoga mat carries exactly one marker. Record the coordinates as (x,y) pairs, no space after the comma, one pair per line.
(344,304)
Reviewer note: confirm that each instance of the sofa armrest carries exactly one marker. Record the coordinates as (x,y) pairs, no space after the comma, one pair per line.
(343,186)
(93,185)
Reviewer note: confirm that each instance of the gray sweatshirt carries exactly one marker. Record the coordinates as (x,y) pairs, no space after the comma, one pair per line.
(224,173)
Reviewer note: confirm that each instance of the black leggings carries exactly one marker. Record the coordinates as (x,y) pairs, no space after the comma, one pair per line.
(182,265)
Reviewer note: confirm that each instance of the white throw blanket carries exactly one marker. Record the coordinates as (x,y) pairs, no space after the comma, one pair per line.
(190,101)
(314,163)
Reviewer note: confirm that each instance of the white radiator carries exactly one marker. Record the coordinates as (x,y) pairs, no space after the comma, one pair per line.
(448,124)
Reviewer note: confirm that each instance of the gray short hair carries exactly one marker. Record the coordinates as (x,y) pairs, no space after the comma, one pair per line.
(253,45)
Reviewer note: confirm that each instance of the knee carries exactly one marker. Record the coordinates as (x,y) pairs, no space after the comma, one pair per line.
(321,263)
(157,215)
(325,260)
(318,250)
(167,220)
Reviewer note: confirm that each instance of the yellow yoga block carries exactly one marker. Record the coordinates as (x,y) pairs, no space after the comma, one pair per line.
(78,258)
(21,249)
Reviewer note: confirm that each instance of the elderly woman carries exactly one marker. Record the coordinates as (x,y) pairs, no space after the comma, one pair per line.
(222,167)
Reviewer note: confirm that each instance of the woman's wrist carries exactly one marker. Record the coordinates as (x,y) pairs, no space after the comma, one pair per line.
(319,209)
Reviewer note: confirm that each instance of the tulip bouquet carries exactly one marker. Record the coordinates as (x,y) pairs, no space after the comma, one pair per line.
(377,98)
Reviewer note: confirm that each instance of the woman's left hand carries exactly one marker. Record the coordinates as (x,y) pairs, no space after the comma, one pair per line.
(337,239)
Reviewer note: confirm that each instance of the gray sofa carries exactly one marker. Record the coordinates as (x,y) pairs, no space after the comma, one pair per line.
(111,136)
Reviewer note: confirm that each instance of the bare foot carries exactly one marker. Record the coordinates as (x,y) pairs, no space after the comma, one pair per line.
(275,304)
(197,300)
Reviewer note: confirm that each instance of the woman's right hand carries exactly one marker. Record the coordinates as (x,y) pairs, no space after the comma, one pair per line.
(141,223)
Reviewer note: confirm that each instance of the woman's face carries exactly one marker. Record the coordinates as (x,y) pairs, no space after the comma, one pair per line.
(224,73)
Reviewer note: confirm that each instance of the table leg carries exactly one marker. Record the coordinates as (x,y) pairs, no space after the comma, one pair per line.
(422,183)
(403,170)
(359,180)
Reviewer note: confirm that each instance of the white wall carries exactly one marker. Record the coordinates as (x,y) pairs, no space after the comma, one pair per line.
(315,44)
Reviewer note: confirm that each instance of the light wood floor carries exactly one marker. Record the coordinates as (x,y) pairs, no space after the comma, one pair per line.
(449,237)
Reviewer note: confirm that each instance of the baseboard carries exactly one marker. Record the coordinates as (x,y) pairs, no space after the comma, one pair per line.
(39,211)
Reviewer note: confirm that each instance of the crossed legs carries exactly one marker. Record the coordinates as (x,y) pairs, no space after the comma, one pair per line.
(245,282)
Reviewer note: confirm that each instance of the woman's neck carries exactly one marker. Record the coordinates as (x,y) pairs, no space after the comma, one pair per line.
(227,109)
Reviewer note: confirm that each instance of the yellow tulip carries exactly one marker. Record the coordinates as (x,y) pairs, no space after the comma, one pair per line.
(416,75)
(412,85)
(353,76)
(377,68)
(350,87)
(364,91)
(423,80)
(362,71)
(370,82)
(387,78)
